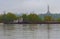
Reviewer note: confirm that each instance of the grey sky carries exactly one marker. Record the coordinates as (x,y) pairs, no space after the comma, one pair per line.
(21,6)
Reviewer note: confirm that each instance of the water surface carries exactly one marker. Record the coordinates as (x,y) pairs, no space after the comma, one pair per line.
(29,31)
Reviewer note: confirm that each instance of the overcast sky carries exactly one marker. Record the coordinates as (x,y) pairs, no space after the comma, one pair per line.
(27,6)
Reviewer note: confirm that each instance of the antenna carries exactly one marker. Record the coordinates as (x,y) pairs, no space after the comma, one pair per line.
(48,10)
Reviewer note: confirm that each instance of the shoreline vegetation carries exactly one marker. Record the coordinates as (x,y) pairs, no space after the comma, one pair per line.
(11,18)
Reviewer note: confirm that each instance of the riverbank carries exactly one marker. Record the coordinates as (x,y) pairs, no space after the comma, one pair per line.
(34,23)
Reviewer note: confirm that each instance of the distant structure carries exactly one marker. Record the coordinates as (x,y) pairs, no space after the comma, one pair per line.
(48,13)
(19,20)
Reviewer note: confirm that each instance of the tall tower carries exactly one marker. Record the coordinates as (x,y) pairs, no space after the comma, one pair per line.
(48,11)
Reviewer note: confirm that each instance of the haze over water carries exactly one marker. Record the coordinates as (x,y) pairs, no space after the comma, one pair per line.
(29,31)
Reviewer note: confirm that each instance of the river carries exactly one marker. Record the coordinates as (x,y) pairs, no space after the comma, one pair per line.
(29,31)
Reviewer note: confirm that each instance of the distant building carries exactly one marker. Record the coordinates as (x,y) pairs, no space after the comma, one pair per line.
(55,16)
(19,20)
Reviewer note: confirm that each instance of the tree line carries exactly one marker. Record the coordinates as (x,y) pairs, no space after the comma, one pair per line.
(31,18)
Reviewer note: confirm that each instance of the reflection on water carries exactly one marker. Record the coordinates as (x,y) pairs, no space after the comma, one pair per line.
(30,27)
(8,27)
(29,31)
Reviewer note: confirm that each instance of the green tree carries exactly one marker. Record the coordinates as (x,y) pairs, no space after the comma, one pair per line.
(33,18)
(48,18)
(58,19)
(10,17)
(1,18)
(24,16)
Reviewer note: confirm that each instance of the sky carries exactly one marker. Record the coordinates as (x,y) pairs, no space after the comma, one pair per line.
(27,6)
